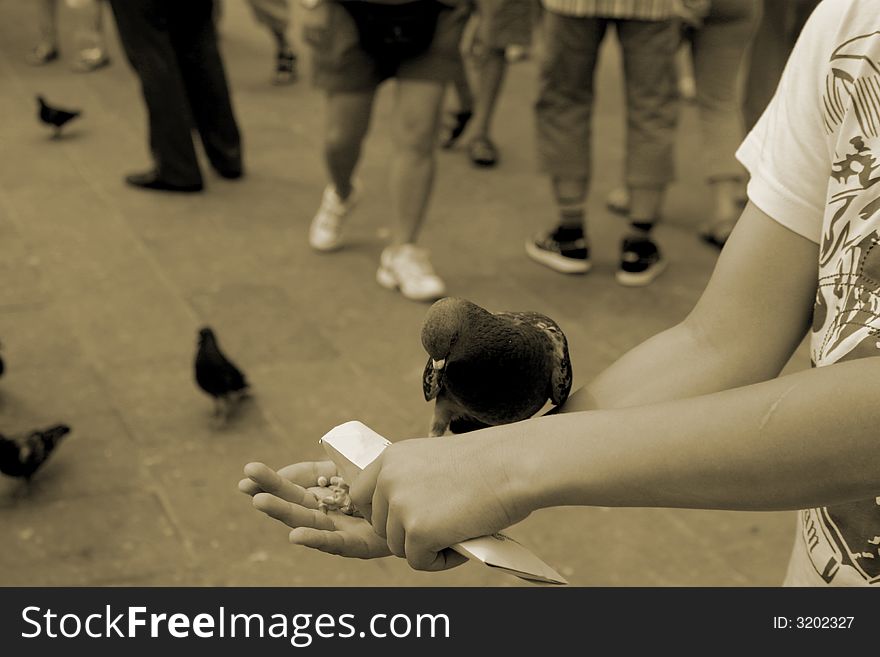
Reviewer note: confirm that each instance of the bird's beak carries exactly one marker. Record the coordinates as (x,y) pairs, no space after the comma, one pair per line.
(438,364)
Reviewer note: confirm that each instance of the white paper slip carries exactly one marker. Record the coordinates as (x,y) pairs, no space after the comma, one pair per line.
(353,446)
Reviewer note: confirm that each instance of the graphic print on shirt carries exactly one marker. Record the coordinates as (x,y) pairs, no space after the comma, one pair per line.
(846,317)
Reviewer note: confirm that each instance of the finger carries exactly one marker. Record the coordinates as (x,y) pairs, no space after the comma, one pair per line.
(338,543)
(249,487)
(307,473)
(362,488)
(421,557)
(395,536)
(379,513)
(270,481)
(292,515)
(330,542)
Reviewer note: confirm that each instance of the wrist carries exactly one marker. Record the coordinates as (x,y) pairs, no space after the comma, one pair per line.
(557,461)
(526,459)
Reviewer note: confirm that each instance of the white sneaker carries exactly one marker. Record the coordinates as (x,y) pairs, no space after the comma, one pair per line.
(325,233)
(408,269)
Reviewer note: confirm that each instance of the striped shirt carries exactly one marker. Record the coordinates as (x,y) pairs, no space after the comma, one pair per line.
(644,10)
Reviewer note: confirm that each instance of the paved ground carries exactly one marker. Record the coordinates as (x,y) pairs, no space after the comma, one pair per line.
(104,288)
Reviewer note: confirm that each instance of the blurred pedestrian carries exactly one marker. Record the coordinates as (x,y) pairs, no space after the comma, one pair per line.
(275,15)
(89,34)
(457,120)
(648,32)
(357,46)
(501,25)
(718,39)
(779,27)
(172,47)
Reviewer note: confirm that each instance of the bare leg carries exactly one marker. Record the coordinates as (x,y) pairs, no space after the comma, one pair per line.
(570,195)
(347,122)
(46,48)
(459,119)
(47,22)
(462,87)
(493,67)
(416,122)
(91,20)
(644,203)
(492,72)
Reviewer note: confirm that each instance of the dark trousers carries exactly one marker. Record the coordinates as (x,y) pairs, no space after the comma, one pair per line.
(172,46)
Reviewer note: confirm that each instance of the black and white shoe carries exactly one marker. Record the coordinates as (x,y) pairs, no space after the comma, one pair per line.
(640,262)
(566,257)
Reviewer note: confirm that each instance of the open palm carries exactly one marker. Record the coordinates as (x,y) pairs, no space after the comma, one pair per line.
(291,496)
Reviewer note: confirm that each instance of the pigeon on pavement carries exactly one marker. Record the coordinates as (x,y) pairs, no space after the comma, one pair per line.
(21,456)
(487,369)
(218,376)
(55,116)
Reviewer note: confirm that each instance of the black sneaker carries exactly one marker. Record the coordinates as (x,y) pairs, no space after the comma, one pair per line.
(640,262)
(565,257)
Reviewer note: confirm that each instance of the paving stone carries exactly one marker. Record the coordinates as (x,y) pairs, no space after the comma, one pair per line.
(87,541)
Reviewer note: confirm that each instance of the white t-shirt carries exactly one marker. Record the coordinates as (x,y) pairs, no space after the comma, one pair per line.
(814,158)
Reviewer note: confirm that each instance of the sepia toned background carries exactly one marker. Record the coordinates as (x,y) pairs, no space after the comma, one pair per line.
(104,288)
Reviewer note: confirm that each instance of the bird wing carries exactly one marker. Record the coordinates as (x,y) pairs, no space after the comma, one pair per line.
(432,381)
(32,449)
(235,380)
(561,377)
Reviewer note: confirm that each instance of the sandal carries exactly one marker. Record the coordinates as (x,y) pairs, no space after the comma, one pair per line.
(285,68)
(483,152)
(455,129)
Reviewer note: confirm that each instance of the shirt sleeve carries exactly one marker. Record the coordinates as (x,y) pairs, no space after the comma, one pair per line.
(787,152)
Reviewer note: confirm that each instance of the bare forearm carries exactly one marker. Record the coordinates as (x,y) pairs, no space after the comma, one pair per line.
(799,441)
(745,327)
(675,364)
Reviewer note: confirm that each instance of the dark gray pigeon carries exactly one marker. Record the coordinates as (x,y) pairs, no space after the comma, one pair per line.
(21,456)
(218,376)
(487,369)
(55,116)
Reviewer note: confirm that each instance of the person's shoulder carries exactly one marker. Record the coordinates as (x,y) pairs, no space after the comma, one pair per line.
(844,39)
(832,18)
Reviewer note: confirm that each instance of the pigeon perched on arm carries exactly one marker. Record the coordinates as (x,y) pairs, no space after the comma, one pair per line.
(21,456)
(218,376)
(55,116)
(487,369)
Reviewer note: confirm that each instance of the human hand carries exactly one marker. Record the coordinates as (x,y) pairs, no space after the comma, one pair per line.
(291,496)
(427,494)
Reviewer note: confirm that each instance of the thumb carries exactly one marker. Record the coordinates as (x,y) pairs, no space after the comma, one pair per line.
(363,487)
